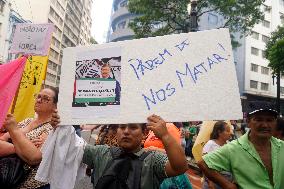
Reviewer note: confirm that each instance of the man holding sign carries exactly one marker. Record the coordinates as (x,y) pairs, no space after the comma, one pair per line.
(130,166)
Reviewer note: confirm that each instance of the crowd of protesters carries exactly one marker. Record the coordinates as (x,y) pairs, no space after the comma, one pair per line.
(154,154)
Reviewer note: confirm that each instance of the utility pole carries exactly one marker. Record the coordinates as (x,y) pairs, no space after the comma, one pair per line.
(278,75)
(193,15)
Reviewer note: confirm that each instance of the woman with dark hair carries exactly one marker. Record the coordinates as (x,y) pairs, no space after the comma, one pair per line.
(220,135)
(26,140)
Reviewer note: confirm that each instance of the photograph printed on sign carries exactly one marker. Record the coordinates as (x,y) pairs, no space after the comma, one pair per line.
(97,85)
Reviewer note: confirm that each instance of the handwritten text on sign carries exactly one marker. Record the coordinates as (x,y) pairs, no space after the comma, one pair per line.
(180,77)
(140,68)
(32,39)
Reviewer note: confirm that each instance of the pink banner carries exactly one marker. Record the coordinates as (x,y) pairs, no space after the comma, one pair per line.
(11,74)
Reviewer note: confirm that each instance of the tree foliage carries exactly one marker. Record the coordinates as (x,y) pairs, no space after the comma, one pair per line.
(275,50)
(161,17)
(93,41)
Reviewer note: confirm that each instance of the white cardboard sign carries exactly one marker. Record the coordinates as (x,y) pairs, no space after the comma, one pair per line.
(32,39)
(179,77)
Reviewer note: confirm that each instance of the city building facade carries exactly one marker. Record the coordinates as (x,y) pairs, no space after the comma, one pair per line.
(5,7)
(120,18)
(14,18)
(72,23)
(255,78)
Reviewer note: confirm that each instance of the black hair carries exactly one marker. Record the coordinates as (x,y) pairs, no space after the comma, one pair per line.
(142,125)
(56,91)
(219,127)
(280,125)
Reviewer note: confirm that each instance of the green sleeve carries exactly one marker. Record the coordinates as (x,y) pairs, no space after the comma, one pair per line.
(192,130)
(219,159)
(159,164)
(93,154)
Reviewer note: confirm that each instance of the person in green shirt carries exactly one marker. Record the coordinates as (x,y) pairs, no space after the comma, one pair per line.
(255,159)
(155,167)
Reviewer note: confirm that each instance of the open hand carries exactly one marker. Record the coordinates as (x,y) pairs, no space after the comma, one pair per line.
(157,125)
(55,119)
(10,123)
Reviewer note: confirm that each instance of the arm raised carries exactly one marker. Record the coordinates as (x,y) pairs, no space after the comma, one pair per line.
(177,163)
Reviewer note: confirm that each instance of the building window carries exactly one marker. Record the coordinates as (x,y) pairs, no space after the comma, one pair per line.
(212,19)
(267,9)
(265,39)
(50,77)
(266,23)
(254,51)
(281,3)
(264,70)
(54,54)
(49,65)
(263,54)
(121,25)
(55,42)
(2,5)
(282,90)
(57,81)
(254,68)
(123,4)
(253,84)
(255,35)
(59,70)
(282,18)
(54,67)
(264,86)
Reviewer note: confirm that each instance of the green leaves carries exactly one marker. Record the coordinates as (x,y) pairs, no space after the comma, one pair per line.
(240,15)
(275,50)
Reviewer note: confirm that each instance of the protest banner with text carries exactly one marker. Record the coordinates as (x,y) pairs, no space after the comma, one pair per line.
(32,39)
(180,77)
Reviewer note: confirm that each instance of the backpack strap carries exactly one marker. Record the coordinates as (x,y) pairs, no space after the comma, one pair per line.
(115,153)
(138,170)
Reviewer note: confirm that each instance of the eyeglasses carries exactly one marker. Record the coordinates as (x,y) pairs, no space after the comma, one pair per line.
(44,98)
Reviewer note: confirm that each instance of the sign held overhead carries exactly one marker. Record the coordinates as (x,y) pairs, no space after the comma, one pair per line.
(32,39)
(180,77)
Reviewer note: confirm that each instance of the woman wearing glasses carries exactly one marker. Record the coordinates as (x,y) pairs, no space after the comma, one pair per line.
(30,135)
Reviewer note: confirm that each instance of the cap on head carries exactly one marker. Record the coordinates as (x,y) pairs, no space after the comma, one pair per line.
(261,106)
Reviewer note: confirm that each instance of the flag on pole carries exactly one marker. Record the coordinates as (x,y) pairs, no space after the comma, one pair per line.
(31,83)
(11,74)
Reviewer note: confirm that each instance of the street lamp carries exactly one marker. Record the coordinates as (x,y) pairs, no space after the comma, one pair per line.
(192,9)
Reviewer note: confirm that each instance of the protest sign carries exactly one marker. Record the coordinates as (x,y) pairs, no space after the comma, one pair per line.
(32,39)
(180,77)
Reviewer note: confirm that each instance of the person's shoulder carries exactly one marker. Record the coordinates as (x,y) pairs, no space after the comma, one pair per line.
(102,149)
(210,142)
(277,141)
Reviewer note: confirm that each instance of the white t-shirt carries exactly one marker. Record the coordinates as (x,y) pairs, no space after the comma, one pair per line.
(210,146)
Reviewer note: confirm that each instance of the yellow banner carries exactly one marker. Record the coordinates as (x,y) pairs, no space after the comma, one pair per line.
(33,76)
(203,137)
